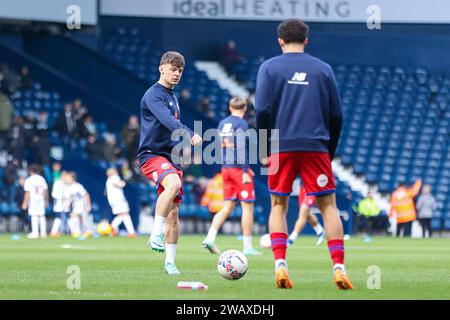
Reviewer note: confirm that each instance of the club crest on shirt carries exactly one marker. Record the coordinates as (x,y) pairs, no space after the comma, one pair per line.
(165,166)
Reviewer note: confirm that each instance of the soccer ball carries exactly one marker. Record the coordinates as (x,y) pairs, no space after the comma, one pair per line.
(232,265)
(104,228)
(265,241)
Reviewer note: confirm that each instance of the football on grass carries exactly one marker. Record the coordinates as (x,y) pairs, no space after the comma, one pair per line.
(232,264)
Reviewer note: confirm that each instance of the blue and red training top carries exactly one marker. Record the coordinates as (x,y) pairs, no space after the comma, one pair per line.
(297,94)
(235,144)
(160,114)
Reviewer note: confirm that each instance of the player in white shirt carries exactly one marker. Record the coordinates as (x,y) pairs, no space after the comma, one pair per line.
(118,203)
(62,201)
(81,204)
(36,200)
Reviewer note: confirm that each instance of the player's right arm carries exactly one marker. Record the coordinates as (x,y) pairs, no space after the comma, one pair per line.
(26,198)
(158,108)
(335,115)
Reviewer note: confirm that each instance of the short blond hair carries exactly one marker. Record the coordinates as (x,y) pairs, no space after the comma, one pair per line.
(238,103)
(111,172)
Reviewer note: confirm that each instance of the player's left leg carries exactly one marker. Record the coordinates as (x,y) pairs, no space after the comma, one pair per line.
(172,234)
(318,229)
(247,228)
(128,224)
(278,235)
(216,223)
(299,224)
(54,233)
(43,226)
(335,236)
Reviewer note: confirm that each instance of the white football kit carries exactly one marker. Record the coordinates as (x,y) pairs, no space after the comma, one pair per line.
(36,186)
(116,197)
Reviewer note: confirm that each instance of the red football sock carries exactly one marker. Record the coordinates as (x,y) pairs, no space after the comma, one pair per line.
(336,248)
(279,245)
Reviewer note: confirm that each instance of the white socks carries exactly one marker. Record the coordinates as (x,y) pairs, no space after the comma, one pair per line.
(171,250)
(279,262)
(339,266)
(74,226)
(56,226)
(159,225)
(293,235)
(318,228)
(116,222)
(35,225)
(43,226)
(212,233)
(247,242)
(128,224)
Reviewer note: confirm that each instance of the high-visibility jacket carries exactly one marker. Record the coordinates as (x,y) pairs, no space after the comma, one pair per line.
(213,196)
(402,203)
(368,207)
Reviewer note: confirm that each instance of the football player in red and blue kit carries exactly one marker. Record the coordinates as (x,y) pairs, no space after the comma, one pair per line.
(160,114)
(237,177)
(297,94)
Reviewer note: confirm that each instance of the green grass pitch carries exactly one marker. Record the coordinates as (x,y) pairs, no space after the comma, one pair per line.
(122,268)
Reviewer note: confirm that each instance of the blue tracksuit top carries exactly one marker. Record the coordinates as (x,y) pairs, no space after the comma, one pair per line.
(235,146)
(160,114)
(297,94)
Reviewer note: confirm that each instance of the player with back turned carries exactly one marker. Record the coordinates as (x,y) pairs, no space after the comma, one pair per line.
(297,94)
(160,115)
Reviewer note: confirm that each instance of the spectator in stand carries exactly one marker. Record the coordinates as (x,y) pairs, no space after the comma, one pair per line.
(94,148)
(250,115)
(40,141)
(79,110)
(26,83)
(111,150)
(9,80)
(130,137)
(11,176)
(6,112)
(87,127)
(66,125)
(204,107)
(426,204)
(231,57)
(17,139)
(186,100)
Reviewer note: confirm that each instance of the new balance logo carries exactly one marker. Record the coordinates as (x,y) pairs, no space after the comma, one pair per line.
(299,78)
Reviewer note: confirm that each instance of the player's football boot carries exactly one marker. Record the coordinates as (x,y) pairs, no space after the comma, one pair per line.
(114,232)
(54,235)
(341,280)
(252,252)
(282,278)
(320,238)
(290,242)
(211,246)
(132,235)
(171,269)
(156,243)
(32,236)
